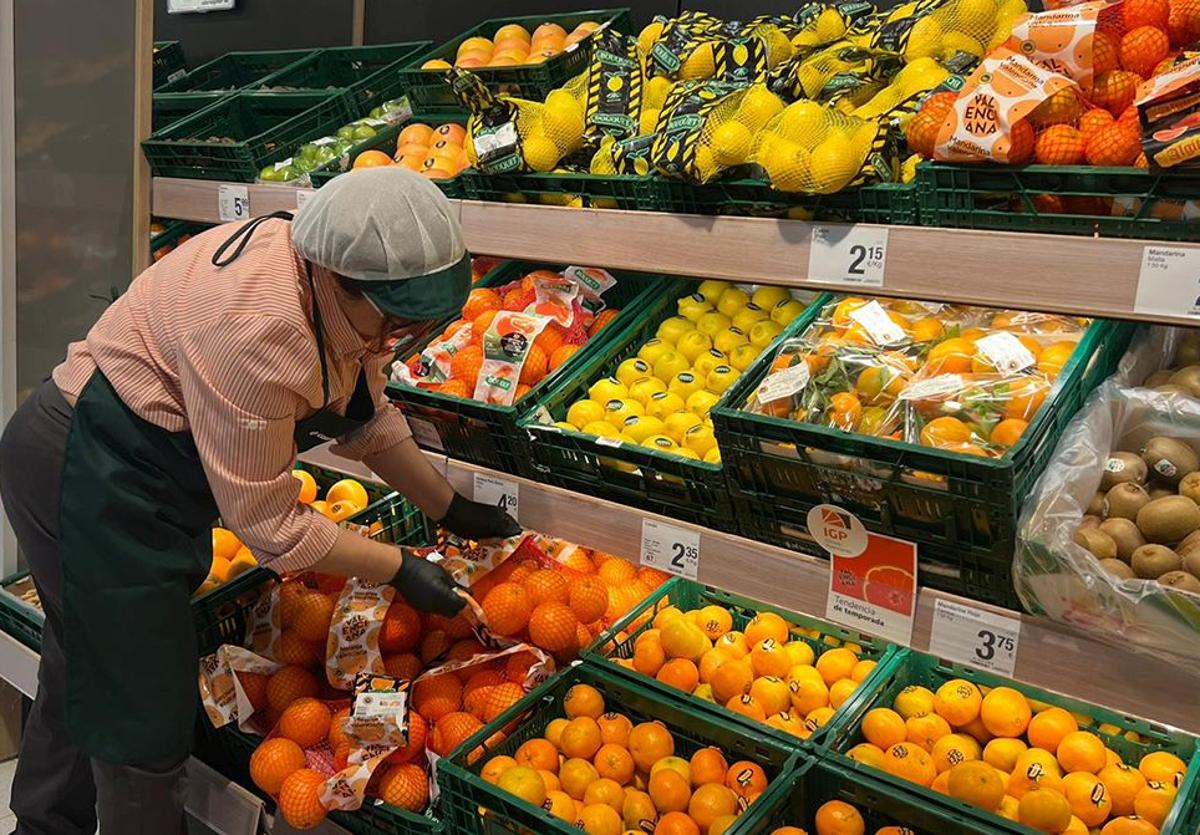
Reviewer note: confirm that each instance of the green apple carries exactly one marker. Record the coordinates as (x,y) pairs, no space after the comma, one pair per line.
(363,132)
(345,132)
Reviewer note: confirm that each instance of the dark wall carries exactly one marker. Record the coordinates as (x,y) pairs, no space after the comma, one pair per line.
(256,24)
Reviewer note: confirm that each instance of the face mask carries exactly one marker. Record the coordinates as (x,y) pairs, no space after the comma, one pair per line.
(397,334)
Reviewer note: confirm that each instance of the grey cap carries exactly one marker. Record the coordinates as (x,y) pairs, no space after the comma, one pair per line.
(380,224)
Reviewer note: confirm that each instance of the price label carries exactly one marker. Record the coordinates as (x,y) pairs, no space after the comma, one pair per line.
(501,492)
(1169,281)
(425,434)
(233,202)
(848,254)
(784,383)
(1005,352)
(878,325)
(982,639)
(303,195)
(671,549)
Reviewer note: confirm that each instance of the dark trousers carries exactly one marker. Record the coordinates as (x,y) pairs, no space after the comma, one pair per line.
(58,789)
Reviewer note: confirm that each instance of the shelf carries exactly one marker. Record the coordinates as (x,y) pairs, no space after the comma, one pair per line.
(1051,656)
(1055,273)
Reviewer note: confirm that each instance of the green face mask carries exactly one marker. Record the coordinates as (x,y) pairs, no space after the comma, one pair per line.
(424,298)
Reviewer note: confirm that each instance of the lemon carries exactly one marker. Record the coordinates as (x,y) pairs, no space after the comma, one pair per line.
(921,74)
(699,64)
(647,37)
(769,296)
(748,316)
(956,42)
(661,443)
(758,107)
(700,403)
(743,356)
(903,10)
(712,323)
(677,423)
(779,48)
(731,143)
(763,333)
(699,439)
(692,345)
(618,410)
(830,26)
(709,360)
(584,412)
(540,153)
(729,339)
(668,365)
(669,330)
(908,172)
(732,301)
(602,162)
(664,404)
(653,349)
(712,289)
(632,370)
(648,121)
(562,122)
(602,428)
(705,165)
(642,390)
(784,312)
(604,390)
(861,138)
(805,40)
(788,166)
(655,92)
(924,40)
(685,384)
(833,164)
(693,307)
(713,456)
(720,379)
(976,17)
(641,427)
(1010,10)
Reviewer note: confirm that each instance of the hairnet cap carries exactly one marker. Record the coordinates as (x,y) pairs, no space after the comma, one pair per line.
(395,231)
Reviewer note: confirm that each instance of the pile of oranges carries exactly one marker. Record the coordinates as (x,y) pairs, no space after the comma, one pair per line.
(837,817)
(925,373)
(1020,759)
(768,671)
(512,46)
(550,350)
(437,153)
(562,611)
(606,774)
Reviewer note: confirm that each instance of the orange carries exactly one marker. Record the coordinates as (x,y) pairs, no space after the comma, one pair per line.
(616,570)
(479,301)
(1129,826)
(1047,729)
(599,819)
(452,730)
(836,817)
(1054,357)
(554,730)
(614,729)
(1088,797)
(649,742)
(554,627)
(560,804)
(747,779)
(1163,766)
(561,355)
(614,763)
(1030,775)
(305,722)
(546,586)
(1123,784)
(406,786)
(951,356)
(507,608)
(588,598)
(954,749)
(769,658)
(862,669)
(1081,751)
(637,810)
(466,364)
(225,544)
(808,693)
(500,698)
(957,701)
(300,799)
(1026,398)
(313,613)
(434,697)
(254,685)
(732,679)
(1007,432)
(845,411)
(539,754)
(676,823)
(708,765)
(1044,810)
(401,628)
(679,673)
(417,132)
(883,728)
(909,762)
(535,367)
(766,625)
(348,490)
(605,791)
(288,684)
(415,745)
(836,664)
(1005,712)
(576,775)
(1003,753)
(273,761)
(715,621)
(747,705)
(773,694)
(818,718)
(669,790)
(914,700)
(523,782)
(1153,803)
(945,431)
(372,159)
(734,643)
(581,738)
(867,754)
(926,730)
(295,650)
(725,823)
(712,661)
(495,767)
(709,802)
(976,783)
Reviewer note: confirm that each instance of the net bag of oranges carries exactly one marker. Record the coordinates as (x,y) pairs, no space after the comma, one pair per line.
(816,149)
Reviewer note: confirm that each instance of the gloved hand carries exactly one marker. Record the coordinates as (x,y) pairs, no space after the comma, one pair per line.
(427,587)
(477,521)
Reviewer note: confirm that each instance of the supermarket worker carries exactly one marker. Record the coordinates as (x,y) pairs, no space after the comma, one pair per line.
(188,400)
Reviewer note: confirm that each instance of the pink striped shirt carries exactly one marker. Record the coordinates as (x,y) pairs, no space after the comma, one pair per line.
(229,354)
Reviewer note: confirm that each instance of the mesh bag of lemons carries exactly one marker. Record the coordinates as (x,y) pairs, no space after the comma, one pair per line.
(949,30)
(696,46)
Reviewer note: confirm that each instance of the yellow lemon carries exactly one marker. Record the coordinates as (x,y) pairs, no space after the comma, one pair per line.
(728,339)
(830,26)
(642,390)
(693,307)
(670,329)
(732,301)
(748,316)
(743,356)
(803,122)
(701,402)
(632,370)
(661,443)
(763,333)
(784,312)
(731,143)
(699,64)
(788,166)
(664,404)
(693,344)
(675,425)
(758,107)
(768,296)
(641,427)
(699,439)
(668,365)
(653,349)
(720,378)
(584,412)
(602,428)
(604,390)
(654,93)
(712,289)
(709,360)
(833,164)
(617,411)
(540,152)
(712,323)
(685,384)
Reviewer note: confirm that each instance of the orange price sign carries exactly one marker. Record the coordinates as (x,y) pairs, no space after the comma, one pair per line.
(873,578)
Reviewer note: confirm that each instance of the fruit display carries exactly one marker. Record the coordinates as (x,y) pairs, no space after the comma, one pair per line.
(791,674)
(660,397)
(436,152)
(1051,765)
(588,753)
(513,45)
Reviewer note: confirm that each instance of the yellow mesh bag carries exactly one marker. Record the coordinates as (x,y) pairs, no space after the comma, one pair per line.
(820,24)
(816,149)
(906,89)
(610,90)
(842,69)
(946,29)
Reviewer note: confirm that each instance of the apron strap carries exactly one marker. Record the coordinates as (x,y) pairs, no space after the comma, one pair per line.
(318,329)
(242,237)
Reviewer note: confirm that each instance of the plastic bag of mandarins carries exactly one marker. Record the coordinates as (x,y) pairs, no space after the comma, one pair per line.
(1079,41)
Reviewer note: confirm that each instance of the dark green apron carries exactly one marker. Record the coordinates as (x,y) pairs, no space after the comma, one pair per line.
(135,520)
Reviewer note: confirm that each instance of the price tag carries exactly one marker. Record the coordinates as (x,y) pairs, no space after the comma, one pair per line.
(938,386)
(501,492)
(848,254)
(878,325)
(783,383)
(425,433)
(671,549)
(303,195)
(1169,281)
(1005,352)
(233,202)
(602,440)
(982,639)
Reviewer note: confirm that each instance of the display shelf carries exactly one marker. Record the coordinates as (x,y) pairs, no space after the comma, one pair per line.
(1055,273)
(1051,656)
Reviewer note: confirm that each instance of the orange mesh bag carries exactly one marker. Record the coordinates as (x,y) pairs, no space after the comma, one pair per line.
(1080,41)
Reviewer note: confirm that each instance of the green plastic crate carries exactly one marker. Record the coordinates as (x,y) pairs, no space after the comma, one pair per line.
(795,802)
(469,804)
(964,523)
(385,140)
(893,203)
(168,62)
(264,128)
(169,108)
(909,667)
(489,435)
(234,70)
(1069,199)
(686,595)
(694,491)
(370,74)
(429,88)
(596,191)
(18,618)
(170,236)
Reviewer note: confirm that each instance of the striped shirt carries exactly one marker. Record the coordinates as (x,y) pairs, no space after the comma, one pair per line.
(230,355)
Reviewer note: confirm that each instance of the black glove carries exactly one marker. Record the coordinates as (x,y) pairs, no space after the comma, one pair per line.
(427,587)
(477,521)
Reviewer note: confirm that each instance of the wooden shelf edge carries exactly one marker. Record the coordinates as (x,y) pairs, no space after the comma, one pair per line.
(1054,273)
(1051,656)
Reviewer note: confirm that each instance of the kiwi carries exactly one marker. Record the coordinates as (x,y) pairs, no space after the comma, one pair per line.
(1118,569)
(1158,491)
(1096,505)
(1169,460)
(1189,486)
(1189,378)
(1180,580)
(1169,519)
(1152,561)
(1158,378)
(1189,542)
(1188,352)
(1121,467)
(1125,500)
(1125,534)
(1191,562)
(1090,521)
(1099,543)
